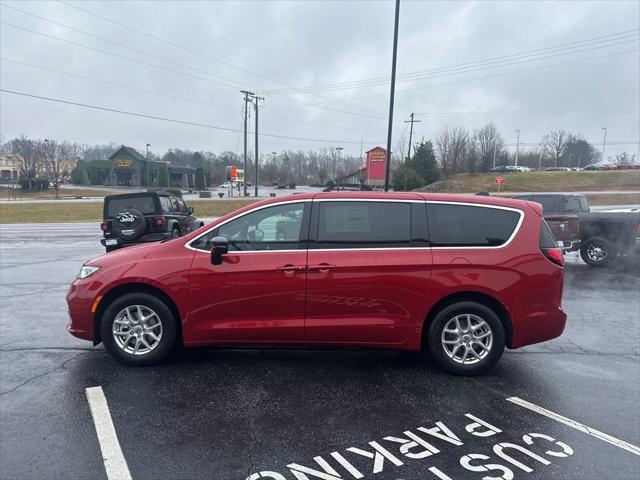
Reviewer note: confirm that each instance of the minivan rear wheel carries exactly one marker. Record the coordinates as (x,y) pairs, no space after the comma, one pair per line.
(466,338)
(138,329)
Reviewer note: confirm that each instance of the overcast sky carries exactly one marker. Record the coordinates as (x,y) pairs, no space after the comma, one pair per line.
(571,65)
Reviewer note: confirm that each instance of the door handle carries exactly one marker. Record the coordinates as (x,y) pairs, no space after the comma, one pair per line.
(322,267)
(291,268)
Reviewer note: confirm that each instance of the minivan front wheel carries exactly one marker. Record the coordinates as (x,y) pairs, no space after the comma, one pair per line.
(138,329)
(466,338)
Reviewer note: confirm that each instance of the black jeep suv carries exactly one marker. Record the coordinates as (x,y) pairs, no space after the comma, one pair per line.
(145,217)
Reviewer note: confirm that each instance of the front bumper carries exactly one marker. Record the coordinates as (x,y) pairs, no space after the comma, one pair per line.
(80,299)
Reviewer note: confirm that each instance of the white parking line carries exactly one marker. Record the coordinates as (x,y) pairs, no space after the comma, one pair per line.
(114,461)
(577,425)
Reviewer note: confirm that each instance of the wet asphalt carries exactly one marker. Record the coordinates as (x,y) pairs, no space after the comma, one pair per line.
(229,414)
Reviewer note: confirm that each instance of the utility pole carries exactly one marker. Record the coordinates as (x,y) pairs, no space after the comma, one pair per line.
(256,101)
(495,147)
(391,96)
(148,168)
(412,121)
(246,115)
(517,147)
(604,142)
(570,160)
(579,161)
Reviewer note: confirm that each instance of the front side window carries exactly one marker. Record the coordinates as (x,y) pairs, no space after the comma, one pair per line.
(452,225)
(272,228)
(575,204)
(363,225)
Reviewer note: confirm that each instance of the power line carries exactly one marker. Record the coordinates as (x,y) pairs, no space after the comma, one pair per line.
(143,62)
(119,44)
(195,52)
(513,72)
(590,41)
(172,120)
(174,97)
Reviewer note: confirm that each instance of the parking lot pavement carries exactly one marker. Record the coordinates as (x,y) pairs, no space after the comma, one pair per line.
(240,413)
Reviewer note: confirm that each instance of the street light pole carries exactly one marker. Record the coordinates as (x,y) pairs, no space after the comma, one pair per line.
(495,147)
(391,96)
(604,142)
(339,150)
(517,147)
(148,167)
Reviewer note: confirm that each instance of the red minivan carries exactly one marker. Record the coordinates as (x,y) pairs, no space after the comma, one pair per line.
(457,276)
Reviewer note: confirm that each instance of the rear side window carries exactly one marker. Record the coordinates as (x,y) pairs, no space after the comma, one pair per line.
(575,204)
(145,205)
(550,203)
(547,239)
(363,225)
(452,225)
(165,204)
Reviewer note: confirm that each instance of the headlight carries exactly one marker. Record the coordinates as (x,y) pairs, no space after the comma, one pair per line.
(87,270)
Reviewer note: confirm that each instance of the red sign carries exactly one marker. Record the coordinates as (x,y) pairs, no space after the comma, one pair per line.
(376,163)
(499,180)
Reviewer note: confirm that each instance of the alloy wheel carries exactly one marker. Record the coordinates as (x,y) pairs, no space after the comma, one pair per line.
(137,330)
(467,339)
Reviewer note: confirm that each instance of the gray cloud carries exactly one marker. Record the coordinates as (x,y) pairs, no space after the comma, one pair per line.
(313,43)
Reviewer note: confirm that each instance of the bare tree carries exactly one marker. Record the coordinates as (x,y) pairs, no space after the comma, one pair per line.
(54,158)
(554,143)
(28,158)
(489,144)
(452,145)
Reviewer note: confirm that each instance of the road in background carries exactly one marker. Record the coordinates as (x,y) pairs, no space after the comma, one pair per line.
(228,413)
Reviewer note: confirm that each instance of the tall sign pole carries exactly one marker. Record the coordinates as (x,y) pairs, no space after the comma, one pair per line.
(391,96)
(246,114)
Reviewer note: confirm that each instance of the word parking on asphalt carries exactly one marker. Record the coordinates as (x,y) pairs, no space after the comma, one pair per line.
(394,451)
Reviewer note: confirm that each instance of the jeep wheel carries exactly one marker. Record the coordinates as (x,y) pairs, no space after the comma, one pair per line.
(466,338)
(596,252)
(175,233)
(138,329)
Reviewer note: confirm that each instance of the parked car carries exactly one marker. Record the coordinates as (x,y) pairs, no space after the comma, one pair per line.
(134,218)
(561,211)
(517,168)
(500,169)
(605,236)
(457,276)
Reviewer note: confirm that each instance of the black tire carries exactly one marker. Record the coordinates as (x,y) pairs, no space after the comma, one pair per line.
(167,339)
(175,233)
(111,248)
(129,224)
(436,348)
(597,252)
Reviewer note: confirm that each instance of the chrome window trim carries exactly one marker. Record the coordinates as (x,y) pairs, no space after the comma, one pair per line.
(275,204)
(395,200)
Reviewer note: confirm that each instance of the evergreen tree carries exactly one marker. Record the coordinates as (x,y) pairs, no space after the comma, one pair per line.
(423,162)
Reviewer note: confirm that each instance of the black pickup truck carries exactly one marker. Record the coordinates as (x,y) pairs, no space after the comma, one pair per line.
(606,236)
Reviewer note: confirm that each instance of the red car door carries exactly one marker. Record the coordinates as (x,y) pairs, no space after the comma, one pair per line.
(257,294)
(368,271)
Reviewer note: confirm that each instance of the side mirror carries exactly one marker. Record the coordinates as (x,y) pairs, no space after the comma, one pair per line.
(190,210)
(219,247)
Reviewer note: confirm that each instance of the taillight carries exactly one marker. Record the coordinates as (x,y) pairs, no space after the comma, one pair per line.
(638,231)
(104,226)
(158,221)
(555,255)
